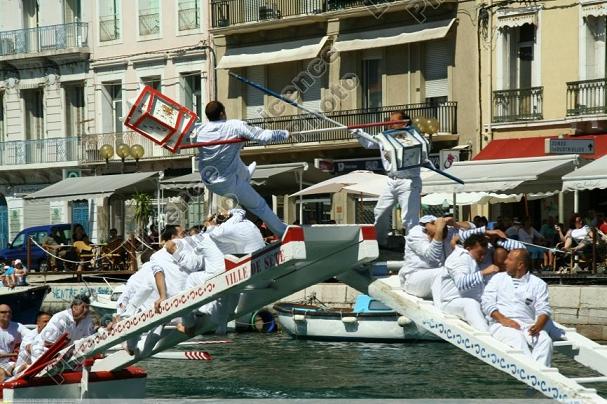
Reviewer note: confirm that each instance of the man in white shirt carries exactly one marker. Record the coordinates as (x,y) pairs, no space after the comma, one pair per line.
(221,169)
(404,186)
(75,321)
(25,349)
(236,235)
(462,282)
(11,334)
(517,303)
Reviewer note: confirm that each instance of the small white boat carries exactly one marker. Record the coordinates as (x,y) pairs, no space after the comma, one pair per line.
(105,304)
(369,321)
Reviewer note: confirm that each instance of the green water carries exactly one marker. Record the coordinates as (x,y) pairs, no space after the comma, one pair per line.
(276,366)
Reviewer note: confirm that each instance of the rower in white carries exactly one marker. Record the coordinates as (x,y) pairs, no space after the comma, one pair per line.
(75,321)
(221,169)
(25,349)
(517,303)
(462,284)
(11,334)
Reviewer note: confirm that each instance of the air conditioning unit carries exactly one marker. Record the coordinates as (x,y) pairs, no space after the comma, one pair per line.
(7,46)
(268,12)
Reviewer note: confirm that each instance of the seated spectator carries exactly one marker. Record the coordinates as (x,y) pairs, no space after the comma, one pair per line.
(549,233)
(113,236)
(517,303)
(512,231)
(8,277)
(20,272)
(52,243)
(577,237)
(528,234)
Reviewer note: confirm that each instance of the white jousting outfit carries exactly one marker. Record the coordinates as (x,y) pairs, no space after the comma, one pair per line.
(9,338)
(61,322)
(461,287)
(25,349)
(237,235)
(522,300)
(424,257)
(403,186)
(223,172)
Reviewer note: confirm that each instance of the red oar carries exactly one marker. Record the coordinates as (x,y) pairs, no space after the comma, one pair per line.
(184,355)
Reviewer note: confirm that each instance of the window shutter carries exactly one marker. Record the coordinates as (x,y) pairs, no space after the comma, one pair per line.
(436,60)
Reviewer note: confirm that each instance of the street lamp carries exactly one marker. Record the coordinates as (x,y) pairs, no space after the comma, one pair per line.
(137,152)
(106,151)
(123,151)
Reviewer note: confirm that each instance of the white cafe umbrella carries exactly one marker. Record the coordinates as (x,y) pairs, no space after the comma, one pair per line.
(356,182)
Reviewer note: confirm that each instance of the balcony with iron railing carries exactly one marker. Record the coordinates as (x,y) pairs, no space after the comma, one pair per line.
(225,13)
(86,149)
(587,97)
(522,104)
(444,112)
(33,41)
(42,151)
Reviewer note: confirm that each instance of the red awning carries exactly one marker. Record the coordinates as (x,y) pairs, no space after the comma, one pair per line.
(534,147)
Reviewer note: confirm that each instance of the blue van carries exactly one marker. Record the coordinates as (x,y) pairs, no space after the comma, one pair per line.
(18,248)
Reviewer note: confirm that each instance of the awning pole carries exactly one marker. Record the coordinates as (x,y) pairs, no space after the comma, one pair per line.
(576,201)
(301,197)
(561,207)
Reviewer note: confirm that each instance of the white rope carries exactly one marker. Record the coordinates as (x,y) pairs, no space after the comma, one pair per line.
(144,243)
(102,256)
(550,249)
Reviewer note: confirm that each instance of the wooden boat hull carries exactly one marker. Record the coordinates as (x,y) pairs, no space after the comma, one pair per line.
(25,301)
(306,323)
(123,384)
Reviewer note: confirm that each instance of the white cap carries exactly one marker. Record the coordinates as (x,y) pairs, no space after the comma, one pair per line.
(427,219)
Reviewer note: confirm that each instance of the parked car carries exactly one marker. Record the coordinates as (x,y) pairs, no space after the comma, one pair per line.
(38,257)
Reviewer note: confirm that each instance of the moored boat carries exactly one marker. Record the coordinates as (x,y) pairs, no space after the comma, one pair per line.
(25,301)
(368,321)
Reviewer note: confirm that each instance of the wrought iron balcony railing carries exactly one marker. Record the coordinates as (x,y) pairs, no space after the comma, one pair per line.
(587,97)
(86,149)
(445,112)
(43,151)
(230,12)
(225,13)
(52,37)
(522,104)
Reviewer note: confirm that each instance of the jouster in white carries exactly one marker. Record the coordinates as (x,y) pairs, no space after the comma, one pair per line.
(460,286)
(75,321)
(517,303)
(404,186)
(221,169)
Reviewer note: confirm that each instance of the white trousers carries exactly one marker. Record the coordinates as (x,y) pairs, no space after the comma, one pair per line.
(419,283)
(468,310)
(538,347)
(238,187)
(406,192)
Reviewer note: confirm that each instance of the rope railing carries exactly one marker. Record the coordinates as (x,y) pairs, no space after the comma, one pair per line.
(91,261)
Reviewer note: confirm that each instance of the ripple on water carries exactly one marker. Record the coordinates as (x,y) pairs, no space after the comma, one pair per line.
(276,366)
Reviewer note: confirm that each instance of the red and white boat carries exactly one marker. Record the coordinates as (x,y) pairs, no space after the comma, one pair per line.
(89,369)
